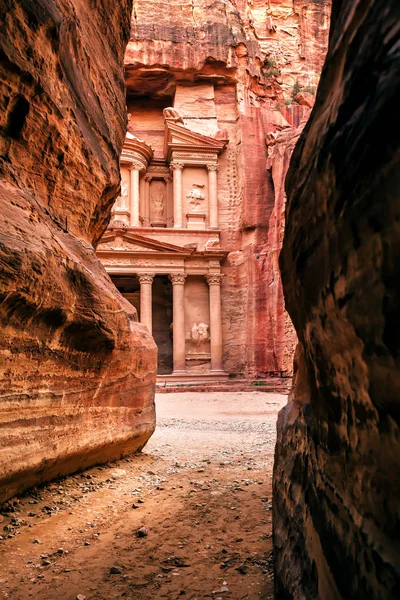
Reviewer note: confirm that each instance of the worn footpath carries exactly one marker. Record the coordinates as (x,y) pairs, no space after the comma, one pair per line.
(188,518)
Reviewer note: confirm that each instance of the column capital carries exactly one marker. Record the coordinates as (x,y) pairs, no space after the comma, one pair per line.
(145,277)
(212,167)
(214,279)
(176,165)
(177,278)
(137,165)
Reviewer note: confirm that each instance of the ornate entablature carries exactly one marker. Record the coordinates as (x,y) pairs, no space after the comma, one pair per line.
(123,249)
(136,153)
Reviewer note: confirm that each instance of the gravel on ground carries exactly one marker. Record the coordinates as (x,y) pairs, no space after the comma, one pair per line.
(189,517)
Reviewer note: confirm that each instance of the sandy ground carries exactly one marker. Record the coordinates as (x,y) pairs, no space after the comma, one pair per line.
(202,491)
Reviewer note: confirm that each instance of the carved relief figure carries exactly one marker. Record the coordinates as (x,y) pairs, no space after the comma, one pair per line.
(199,334)
(158,204)
(124,196)
(157,199)
(195,195)
(122,200)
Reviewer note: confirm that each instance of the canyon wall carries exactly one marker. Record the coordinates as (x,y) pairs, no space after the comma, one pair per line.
(337,464)
(236,67)
(77,370)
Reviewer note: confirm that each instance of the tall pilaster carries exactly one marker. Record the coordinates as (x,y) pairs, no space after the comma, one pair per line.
(146,300)
(146,201)
(177,168)
(213,196)
(134,195)
(135,155)
(214,284)
(178,324)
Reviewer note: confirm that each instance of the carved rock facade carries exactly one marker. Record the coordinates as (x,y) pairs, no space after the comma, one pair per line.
(78,371)
(337,463)
(210,88)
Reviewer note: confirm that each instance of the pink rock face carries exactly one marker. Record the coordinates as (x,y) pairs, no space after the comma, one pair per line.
(305,99)
(78,371)
(337,459)
(236,66)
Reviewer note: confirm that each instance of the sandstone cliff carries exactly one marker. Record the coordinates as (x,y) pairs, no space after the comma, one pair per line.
(337,462)
(77,370)
(236,66)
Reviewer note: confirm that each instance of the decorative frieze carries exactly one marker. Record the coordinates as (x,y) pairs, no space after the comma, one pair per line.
(189,155)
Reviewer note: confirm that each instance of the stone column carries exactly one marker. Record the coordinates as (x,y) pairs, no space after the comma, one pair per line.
(213,196)
(178,323)
(134,195)
(214,283)
(168,216)
(177,168)
(146,300)
(146,215)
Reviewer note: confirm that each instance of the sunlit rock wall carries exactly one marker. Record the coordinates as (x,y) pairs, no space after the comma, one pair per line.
(337,464)
(240,65)
(77,370)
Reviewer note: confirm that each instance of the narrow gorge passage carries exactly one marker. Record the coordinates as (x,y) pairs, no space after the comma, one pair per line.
(202,491)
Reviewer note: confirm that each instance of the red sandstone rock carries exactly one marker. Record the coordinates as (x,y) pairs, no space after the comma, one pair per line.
(337,461)
(304,99)
(235,66)
(78,371)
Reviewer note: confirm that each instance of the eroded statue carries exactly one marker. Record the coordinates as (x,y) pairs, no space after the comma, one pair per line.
(172,114)
(199,334)
(195,195)
(157,201)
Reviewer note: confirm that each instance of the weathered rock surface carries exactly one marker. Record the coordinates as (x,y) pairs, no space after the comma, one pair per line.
(78,371)
(336,479)
(236,66)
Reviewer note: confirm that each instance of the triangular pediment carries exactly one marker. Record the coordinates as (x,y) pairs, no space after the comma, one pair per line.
(178,137)
(127,241)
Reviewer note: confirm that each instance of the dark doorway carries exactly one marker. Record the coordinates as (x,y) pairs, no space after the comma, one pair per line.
(162,319)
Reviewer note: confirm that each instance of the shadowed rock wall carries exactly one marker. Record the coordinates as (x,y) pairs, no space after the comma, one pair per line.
(77,370)
(337,463)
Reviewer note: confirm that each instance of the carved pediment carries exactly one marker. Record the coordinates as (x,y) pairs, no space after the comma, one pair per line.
(180,138)
(117,241)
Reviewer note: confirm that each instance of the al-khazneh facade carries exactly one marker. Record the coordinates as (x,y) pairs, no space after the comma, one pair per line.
(163,251)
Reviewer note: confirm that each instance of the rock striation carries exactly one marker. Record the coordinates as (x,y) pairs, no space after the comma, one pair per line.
(78,371)
(337,461)
(233,68)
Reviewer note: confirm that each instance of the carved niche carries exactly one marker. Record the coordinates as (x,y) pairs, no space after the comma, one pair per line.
(158,202)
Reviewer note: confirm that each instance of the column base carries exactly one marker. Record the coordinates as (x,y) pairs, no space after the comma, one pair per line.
(217,372)
(179,372)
